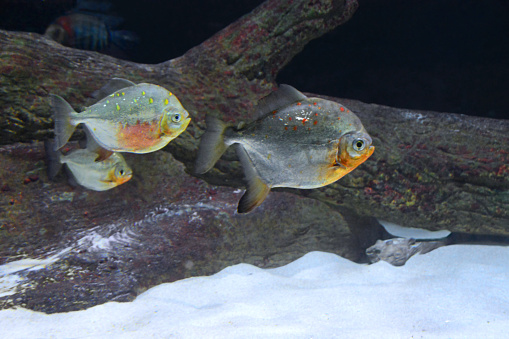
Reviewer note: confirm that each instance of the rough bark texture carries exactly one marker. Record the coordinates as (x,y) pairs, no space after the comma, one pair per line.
(430,170)
(162,226)
(225,75)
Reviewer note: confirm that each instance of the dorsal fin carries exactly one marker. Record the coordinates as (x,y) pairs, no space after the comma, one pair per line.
(283,97)
(111,87)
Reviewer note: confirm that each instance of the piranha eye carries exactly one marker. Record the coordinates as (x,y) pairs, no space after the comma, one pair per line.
(121,172)
(176,117)
(359,144)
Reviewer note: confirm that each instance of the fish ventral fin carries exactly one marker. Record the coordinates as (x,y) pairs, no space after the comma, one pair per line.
(93,146)
(256,190)
(276,100)
(212,145)
(62,116)
(115,84)
(52,159)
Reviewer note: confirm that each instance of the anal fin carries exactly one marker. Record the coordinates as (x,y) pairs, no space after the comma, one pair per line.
(257,190)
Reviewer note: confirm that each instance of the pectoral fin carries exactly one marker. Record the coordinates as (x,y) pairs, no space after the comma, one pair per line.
(257,190)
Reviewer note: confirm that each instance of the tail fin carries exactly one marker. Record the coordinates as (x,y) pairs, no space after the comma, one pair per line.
(212,145)
(62,117)
(53,159)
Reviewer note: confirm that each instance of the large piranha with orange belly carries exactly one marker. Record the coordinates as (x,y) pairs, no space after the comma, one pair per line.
(297,142)
(135,118)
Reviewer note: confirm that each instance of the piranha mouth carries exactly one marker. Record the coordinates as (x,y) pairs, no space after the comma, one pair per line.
(186,123)
(347,161)
(124,179)
(118,180)
(340,164)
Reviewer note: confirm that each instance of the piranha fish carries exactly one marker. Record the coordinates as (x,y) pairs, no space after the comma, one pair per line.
(131,118)
(297,142)
(92,167)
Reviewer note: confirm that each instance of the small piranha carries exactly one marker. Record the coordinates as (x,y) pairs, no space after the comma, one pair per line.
(297,142)
(91,32)
(131,118)
(92,167)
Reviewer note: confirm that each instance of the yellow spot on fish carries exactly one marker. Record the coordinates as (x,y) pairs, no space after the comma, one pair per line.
(107,101)
(269,156)
(118,94)
(150,100)
(123,93)
(143,93)
(118,107)
(135,101)
(170,93)
(166,101)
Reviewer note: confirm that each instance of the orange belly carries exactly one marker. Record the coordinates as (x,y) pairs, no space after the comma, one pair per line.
(141,136)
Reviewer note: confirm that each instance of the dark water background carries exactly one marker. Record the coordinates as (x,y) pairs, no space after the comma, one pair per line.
(440,55)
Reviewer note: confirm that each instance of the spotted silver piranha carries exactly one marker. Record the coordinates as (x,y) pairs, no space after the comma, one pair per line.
(92,167)
(297,142)
(131,118)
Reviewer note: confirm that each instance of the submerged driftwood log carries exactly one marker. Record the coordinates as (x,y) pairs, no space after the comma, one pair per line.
(430,170)
(225,75)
